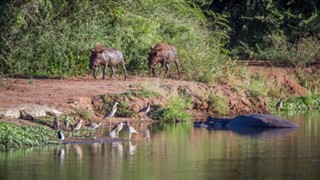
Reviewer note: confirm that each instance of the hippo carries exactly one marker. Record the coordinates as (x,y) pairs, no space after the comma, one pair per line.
(164,54)
(107,57)
(249,121)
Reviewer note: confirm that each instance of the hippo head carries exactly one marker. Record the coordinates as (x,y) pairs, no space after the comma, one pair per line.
(95,59)
(154,58)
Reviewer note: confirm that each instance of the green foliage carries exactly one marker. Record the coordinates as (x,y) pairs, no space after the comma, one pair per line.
(175,112)
(258,86)
(301,53)
(14,136)
(309,102)
(53,38)
(218,104)
(285,31)
(123,108)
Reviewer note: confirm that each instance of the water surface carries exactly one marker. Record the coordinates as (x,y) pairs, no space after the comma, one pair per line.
(178,152)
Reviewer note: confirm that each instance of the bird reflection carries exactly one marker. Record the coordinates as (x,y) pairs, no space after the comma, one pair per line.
(78,150)
(147,134)
(95,148)
(117,147)
(60,152)
(132,148)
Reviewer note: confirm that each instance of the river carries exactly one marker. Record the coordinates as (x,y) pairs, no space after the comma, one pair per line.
(178,152)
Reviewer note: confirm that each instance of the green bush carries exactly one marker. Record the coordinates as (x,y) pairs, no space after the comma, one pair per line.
(14,136)
(53,38)
(175,112)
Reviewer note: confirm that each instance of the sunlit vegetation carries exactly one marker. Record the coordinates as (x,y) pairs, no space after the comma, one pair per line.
(14,136)
(53,38)
(176,111)
(218,104)
(309,102)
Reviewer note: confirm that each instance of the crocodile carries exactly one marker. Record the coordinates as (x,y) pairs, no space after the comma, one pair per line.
(28,111)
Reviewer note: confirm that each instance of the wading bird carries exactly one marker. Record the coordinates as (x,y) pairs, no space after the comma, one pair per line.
(78,125)
(279,104)
(94,125)
(66,122)
(60,136)
(112,111)
(116,129)
(56,123)
(130,129)
(144,111)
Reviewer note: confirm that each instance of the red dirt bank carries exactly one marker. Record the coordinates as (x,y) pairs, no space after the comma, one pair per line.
(66,94)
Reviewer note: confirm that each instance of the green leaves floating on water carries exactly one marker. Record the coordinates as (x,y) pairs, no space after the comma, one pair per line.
(303,103)
(14,136)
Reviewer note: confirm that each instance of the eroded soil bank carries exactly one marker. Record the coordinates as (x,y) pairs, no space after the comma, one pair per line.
(74,95)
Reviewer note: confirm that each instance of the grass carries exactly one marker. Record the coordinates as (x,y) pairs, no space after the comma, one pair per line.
(107,102)
(175,112)
(218,104)
(14,136)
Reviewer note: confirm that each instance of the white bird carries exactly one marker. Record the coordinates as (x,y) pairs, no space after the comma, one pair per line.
(144,111)
(117,128)
(56,123)
(61,136)
(78,125)
(112,111)
(130,129)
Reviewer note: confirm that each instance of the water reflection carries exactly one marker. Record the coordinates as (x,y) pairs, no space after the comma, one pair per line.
(263,132)
(132,148)
(177,152)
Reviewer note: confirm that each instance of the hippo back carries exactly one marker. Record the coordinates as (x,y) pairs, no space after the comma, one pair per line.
(260,120)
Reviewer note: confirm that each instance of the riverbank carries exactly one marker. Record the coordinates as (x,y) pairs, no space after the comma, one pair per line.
(231,96)
(250,91)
